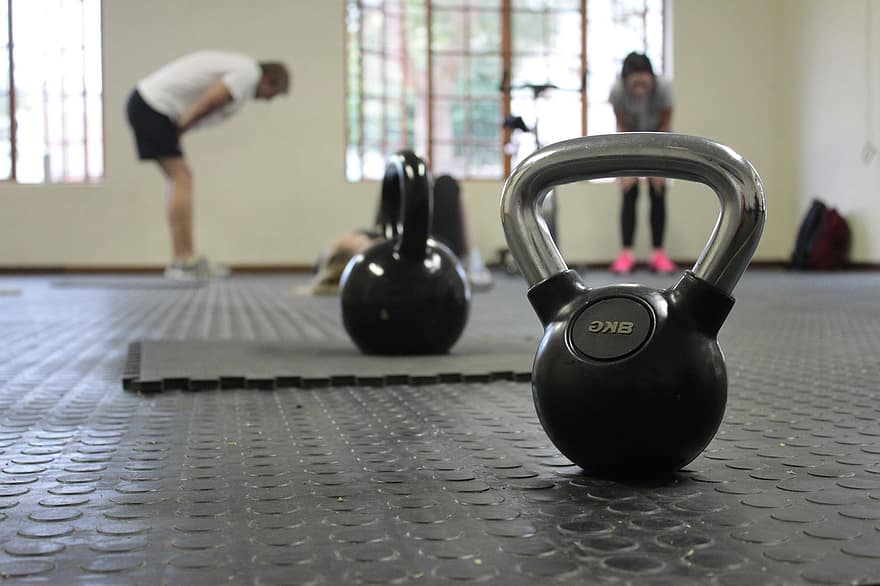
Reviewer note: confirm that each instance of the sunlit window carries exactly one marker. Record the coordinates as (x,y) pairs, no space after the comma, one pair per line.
(51,119)
(441,77)
(614,28)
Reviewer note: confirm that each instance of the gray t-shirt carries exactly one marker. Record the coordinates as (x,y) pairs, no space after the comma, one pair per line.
(643,113)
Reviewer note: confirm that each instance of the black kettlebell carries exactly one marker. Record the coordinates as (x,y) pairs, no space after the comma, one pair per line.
(408,293)
(629,381)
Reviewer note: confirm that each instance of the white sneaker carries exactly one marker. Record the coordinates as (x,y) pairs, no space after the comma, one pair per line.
(479,279)
(199,268)
(478,275)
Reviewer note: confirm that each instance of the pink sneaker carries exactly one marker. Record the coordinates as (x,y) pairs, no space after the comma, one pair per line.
(625,263)
(660,263)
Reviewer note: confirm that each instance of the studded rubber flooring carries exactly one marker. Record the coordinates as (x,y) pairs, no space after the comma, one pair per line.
(444,483)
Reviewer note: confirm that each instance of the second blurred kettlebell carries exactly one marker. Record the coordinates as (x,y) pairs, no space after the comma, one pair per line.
(407,294)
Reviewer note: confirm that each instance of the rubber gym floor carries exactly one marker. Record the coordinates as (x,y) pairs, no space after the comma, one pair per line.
(432,483)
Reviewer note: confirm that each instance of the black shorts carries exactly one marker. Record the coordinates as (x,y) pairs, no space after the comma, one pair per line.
(155,133)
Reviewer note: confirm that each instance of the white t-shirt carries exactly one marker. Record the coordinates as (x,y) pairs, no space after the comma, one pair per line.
(173,89)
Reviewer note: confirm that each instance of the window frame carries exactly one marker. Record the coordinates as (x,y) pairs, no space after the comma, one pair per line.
(13,178)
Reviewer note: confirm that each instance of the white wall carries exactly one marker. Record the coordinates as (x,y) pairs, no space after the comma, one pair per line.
(270,184)
(831,115)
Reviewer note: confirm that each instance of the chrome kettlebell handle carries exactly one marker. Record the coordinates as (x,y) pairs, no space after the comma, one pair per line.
(736,183)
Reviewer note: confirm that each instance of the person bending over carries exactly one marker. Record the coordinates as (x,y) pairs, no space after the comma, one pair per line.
(642,102)
(197,90)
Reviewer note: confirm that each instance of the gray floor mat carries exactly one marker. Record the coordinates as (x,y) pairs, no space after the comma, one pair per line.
(300,341)
(155,365)
(424,484)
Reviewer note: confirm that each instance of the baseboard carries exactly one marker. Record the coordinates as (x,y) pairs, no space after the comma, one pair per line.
(862,266)
(291,268)
(308,268)
(140,270)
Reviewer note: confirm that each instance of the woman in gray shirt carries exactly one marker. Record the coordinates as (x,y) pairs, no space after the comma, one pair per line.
(642,102)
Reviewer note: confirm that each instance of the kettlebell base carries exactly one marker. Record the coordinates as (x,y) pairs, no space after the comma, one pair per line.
(392,305)
(613,391)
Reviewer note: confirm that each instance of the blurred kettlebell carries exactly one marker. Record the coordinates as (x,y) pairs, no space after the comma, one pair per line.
(629,381)
(408,293)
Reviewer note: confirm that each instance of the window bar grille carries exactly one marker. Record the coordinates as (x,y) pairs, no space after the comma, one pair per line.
(404,119)
(383,94)
(430,89)
(506,61)
(85,101)
(583,76)
(360,57)
(13,126)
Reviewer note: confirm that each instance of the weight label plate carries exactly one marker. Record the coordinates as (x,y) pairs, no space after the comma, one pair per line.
(612,328)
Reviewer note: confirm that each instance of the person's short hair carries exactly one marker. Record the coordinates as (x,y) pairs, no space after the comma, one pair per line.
(636,63)
(277,73)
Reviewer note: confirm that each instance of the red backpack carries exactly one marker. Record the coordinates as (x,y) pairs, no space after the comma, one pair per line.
(830,249)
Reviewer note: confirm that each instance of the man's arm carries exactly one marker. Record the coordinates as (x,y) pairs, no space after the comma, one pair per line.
(665,120)
(215,97)
(622,124)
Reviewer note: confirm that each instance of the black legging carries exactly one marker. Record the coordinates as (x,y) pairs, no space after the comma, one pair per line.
(658,214)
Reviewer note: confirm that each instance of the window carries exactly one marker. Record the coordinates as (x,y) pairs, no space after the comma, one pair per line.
(440,76)
(51,117)
(614,28)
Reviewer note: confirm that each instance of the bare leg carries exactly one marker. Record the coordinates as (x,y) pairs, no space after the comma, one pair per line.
(179,206)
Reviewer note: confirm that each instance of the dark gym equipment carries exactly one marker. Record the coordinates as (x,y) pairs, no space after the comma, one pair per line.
(515,123)
(446,214)
(446,219)
(629,381)
(407,294)
(447,225)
